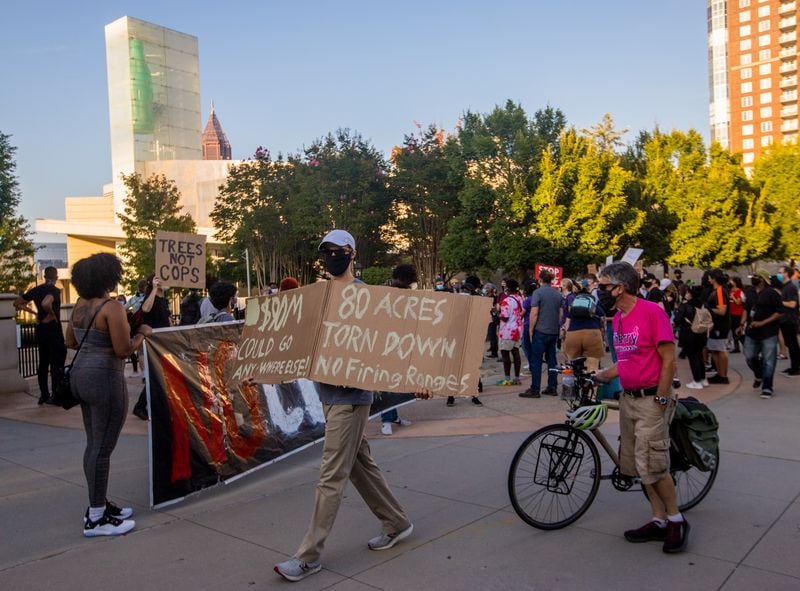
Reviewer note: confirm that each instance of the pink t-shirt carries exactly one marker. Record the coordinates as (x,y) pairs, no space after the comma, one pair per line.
(636,339)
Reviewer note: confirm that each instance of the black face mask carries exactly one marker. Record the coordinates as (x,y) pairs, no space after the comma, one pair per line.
(607,301)
(337,265)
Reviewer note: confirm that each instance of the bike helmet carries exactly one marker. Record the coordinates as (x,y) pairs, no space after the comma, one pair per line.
(587,418)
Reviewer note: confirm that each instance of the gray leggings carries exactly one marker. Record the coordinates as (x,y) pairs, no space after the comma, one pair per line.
(104,404)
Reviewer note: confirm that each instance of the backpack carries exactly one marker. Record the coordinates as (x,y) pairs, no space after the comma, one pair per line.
(702,321)
(583,306)
(695,432)
(210,318)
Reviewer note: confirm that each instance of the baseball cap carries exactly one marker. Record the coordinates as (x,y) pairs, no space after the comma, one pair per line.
(761,273)
(338,238)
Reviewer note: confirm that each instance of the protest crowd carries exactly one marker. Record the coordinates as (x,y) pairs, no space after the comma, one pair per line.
(533,325)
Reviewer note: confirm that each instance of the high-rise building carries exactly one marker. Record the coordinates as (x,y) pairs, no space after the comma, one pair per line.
(215,142)
(752,50)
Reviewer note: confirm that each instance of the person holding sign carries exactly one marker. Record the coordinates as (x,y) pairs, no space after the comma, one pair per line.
(346,453)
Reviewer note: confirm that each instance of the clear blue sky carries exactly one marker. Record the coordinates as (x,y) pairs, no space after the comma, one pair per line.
(285,73)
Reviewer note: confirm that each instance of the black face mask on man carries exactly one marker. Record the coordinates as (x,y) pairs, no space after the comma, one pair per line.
(337,264)
(607,301)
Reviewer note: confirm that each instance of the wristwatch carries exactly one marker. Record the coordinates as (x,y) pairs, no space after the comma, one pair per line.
(662,400)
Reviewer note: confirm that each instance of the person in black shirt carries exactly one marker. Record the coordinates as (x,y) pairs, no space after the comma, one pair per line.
(156,315)
(763,313)
(654,294)
(789,319)
(718,304)
(49,336)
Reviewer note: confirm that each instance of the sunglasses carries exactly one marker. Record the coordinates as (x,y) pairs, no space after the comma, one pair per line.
(605,286)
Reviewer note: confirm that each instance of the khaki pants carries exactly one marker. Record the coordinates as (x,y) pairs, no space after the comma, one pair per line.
(644,437)
(587,342)
(346,455)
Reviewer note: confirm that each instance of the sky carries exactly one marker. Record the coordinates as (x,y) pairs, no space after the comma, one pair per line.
(282,74)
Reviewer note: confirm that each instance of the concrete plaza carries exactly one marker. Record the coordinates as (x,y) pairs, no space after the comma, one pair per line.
(449,470)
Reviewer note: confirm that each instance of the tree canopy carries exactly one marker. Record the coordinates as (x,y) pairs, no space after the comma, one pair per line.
(16,246)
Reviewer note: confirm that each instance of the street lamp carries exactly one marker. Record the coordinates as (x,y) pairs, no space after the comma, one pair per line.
(247,265)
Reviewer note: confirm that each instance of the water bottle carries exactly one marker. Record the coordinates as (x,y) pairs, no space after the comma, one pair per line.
(568,385)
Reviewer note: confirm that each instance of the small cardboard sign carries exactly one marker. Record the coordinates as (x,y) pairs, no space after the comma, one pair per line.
(632,255)
(558,273)
(181,259)
(591,269)
(364,336)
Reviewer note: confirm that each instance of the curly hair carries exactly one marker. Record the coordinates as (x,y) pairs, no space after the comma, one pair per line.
(221,294)
(96,275)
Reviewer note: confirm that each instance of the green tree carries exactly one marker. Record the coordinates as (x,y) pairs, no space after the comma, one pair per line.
(16,247)
(151,205)
(777,175)
(425,190)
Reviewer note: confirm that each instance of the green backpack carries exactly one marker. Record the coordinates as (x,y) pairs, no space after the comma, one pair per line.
(695,431)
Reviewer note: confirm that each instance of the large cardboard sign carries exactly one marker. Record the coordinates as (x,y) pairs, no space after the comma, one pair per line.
(207,429)
(558,273)
(181,259)
(364,336)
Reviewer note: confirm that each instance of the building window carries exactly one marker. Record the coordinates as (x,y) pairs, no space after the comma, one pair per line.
(744,31)
(763,26)
(765,83)
(747,101)
(765,69)
(748,157)
(764,54)
(747,59)
(766,126)
(763,11)
(747,87)
(766,112)
(745,44)
(765,98)
(766,141)
(744,16)
(747,115)
(746,73)
(764,40)
(747,144)
(747,129)
(744,3)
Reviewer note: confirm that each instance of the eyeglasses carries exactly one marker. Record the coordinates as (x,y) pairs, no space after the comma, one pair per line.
(605,286)
(336,252)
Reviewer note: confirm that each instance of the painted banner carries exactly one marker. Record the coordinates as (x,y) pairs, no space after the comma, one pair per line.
(365,336)
(181,259)
(558,273)
(206,429)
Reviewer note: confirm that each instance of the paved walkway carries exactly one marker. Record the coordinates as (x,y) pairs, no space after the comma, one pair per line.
(449,470)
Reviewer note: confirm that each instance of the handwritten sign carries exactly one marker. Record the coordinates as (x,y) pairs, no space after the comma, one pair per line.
(181,259)
(558,273)
(363,336)
(632,255)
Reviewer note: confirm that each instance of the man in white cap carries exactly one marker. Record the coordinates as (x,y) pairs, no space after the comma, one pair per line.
(346,452)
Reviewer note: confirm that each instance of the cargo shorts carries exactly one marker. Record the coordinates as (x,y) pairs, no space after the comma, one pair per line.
(644,437)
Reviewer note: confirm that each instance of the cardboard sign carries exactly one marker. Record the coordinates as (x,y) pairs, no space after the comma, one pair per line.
(558,272)
(364,336)
(632,255)
(181,259)
(591,269)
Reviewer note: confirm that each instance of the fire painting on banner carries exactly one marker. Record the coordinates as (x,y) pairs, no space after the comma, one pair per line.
(206,428)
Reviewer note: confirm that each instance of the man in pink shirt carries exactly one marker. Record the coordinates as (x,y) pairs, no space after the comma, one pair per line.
(645,348)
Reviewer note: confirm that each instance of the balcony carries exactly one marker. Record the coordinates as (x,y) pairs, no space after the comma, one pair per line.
(787,7)
(789,96)
(790,111)
(788,38)
(788,23)
(788,52)
(788,67)
(788,82)
(789,126)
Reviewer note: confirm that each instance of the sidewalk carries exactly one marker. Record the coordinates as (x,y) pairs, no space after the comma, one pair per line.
(449,470)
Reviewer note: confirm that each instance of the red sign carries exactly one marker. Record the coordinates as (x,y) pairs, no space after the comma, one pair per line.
(558,273)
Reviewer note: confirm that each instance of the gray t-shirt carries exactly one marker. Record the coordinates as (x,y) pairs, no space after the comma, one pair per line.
(548,300)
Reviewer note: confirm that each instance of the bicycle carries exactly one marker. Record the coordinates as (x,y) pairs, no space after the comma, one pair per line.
(556,472)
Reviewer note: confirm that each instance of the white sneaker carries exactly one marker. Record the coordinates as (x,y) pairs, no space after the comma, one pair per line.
(296,570)
(386,428)
(705,383)
(386,541)
(107,526)
(403,422)
(694,385)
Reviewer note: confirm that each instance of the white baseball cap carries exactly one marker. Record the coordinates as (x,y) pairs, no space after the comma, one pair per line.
(339,238)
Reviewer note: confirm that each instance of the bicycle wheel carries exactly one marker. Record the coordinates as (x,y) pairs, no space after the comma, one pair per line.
(691,484)
(554,477)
